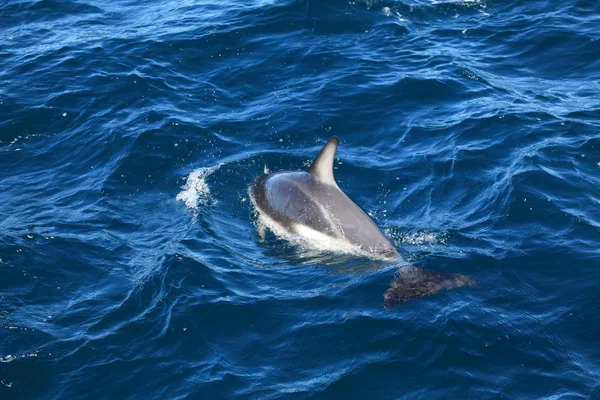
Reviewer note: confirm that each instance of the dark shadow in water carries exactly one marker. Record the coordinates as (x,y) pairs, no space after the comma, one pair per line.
(413,282)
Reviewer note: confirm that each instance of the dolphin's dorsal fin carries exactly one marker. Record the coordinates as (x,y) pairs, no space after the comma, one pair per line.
(322,167)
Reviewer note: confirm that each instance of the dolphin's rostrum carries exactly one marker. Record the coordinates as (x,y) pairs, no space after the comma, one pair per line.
(310,205)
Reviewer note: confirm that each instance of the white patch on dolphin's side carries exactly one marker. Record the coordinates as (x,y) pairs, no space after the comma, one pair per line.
(323,242)
(196,192)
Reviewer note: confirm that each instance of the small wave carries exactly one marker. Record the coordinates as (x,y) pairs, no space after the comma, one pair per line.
(196,192)
(10,357)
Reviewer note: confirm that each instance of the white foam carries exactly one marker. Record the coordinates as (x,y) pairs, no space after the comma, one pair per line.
(10,357)
(196,192)
(424,238)
(467,3)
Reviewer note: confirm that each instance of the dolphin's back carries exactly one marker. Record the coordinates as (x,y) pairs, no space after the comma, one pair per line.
(296,199)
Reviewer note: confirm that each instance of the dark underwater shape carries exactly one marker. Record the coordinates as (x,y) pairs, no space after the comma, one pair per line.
(413,282)
(311,205)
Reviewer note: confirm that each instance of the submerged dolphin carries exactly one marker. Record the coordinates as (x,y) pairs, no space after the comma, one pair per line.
(310,205)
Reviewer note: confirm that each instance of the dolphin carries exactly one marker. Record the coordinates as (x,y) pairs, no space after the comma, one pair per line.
(311,206)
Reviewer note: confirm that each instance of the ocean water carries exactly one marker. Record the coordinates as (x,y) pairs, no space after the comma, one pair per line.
(130,262)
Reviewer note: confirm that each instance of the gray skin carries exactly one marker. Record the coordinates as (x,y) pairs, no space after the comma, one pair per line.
(313,199)
(300,198)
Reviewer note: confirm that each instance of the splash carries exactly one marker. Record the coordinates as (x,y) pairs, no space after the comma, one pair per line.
(424,238)
(467,3)
(10,357)
(421,238)
(196,192)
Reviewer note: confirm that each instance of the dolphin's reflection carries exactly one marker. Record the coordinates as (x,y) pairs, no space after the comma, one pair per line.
(413,282)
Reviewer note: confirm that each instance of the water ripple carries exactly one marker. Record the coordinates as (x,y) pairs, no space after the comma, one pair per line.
(469,132)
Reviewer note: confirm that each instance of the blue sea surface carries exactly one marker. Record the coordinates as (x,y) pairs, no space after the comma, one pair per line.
(131,266)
